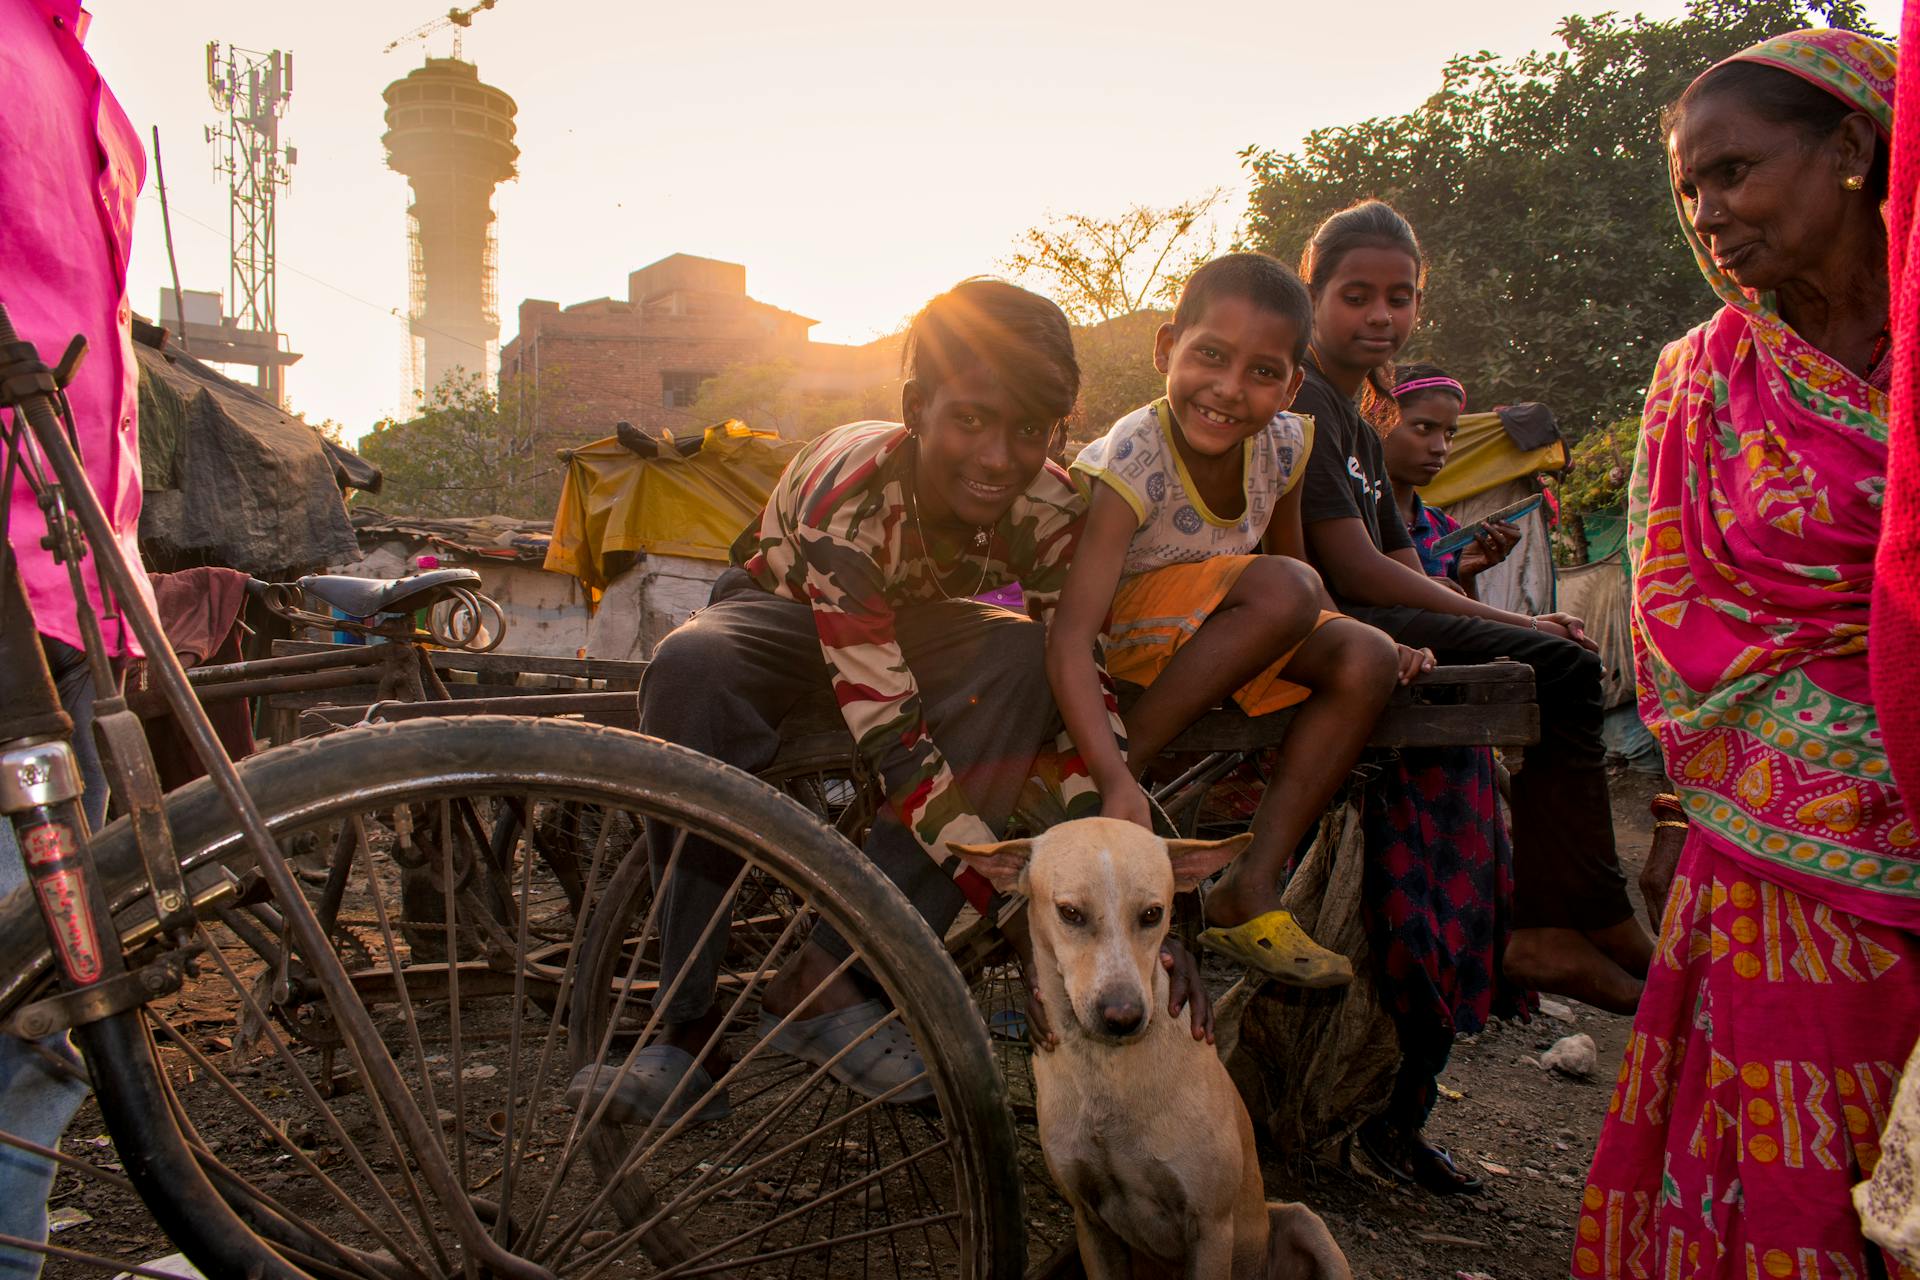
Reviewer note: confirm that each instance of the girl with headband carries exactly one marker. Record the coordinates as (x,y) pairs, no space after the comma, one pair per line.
(1438,889)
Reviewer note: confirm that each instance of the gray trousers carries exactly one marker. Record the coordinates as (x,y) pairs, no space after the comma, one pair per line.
(36,1102)
(725,679)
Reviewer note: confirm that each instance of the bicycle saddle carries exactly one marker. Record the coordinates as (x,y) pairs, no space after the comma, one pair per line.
(364,597)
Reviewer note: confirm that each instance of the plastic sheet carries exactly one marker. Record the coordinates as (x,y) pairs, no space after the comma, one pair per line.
(1484,455)
(613,500)
(230,480)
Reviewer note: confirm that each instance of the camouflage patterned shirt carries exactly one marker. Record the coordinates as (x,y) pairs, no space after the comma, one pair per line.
(837,534)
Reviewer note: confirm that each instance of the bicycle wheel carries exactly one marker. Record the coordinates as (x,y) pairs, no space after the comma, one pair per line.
(487,1021)
(817,770)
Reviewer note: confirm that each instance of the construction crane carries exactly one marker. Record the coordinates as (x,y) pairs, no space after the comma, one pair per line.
(458,19)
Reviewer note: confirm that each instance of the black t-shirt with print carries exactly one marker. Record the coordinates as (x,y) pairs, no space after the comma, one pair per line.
(1346,477)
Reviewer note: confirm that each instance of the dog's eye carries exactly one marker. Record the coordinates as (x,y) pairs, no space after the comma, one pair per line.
(1151,916)
(1072,914)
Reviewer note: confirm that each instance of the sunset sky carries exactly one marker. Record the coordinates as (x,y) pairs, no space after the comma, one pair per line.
(857,157)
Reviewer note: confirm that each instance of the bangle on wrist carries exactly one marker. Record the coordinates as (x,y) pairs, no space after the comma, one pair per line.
(1667,805)
(1673,822)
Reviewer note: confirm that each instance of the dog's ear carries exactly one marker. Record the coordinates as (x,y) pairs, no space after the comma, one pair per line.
(1003,864)
(1195,860)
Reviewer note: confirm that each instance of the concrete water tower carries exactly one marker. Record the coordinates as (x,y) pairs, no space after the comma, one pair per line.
(452,137)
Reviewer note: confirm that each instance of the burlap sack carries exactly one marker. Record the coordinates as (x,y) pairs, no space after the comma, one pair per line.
(1313,1065)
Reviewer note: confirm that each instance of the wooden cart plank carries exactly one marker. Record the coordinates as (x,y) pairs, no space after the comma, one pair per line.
(1441,709)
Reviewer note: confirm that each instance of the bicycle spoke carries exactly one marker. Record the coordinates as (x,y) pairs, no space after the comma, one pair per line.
(577,1135)
(306,1087)
(402,993)
(513,1045)
(819,1074)
(112,1266)
(61,1158)
(685,1269)
(660,1004)
(449,842)
(553,1026)
(278,1136)
(918,1184)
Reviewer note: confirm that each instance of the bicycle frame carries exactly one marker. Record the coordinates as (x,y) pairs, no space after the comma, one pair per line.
(39,790)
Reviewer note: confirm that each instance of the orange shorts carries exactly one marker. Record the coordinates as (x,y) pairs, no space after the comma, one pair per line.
(1157,612)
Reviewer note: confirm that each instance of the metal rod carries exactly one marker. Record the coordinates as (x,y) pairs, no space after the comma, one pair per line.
(152,704)
(529,705)
(72,1162)
(358,655)
(294,682)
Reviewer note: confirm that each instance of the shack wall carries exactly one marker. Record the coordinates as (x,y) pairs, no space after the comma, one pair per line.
(646,602)
(1524,581)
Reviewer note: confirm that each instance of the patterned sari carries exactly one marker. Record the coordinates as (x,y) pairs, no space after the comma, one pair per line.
(1783,995)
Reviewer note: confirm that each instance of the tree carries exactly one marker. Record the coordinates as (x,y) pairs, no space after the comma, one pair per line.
(329,430)
(1538,187)
(1103,268)
(1116,278)
(775,396)
(470,452)
(1116,371)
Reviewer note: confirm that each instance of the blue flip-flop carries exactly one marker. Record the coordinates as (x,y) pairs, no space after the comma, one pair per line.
(880,1062)
(643,1088)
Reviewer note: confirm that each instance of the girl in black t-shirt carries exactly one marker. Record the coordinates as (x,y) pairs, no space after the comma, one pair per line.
(1574,928)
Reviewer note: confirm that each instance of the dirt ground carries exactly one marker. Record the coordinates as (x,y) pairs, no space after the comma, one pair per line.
(1529,1134)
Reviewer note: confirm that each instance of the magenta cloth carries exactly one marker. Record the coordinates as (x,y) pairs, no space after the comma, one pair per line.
(1753,1089)
(73,167)
(1896,587)
(1007,597)
(1430,384)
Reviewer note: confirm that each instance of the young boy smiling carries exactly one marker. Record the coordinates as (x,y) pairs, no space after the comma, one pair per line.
(1184,494)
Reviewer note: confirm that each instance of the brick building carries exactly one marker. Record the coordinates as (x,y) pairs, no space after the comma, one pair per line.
(684,320)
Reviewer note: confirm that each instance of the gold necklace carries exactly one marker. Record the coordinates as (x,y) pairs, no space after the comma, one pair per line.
(926,548)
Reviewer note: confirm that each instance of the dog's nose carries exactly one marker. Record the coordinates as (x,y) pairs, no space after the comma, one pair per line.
(1122,1017)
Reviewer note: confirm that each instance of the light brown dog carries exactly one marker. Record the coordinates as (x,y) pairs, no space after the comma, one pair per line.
(1142,1128)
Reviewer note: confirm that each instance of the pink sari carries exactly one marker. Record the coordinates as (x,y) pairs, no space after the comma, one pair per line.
(1753,522)
(1781,999)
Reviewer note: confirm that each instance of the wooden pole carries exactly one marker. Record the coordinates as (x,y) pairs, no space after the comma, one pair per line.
(166,224)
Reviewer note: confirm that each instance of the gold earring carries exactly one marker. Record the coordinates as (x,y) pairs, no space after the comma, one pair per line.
(1853,182)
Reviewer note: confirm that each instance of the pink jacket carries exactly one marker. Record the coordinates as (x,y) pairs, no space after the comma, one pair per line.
(71,167)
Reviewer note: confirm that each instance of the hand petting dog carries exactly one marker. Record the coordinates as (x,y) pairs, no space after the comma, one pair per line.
(1186,989)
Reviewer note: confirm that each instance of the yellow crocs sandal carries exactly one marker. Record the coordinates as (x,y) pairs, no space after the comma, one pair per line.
(1273,944)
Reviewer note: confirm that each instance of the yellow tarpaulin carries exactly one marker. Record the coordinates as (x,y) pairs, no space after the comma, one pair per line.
(1483,456)
(615,500)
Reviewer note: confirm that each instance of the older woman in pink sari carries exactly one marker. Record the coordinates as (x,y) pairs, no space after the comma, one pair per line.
(1785,992)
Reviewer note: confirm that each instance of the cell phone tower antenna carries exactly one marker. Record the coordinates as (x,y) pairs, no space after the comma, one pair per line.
(252,90)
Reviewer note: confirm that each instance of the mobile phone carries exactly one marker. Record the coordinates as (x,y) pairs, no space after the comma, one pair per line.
(1466,533)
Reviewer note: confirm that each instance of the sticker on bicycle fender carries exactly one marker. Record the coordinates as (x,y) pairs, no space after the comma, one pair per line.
(60,882)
